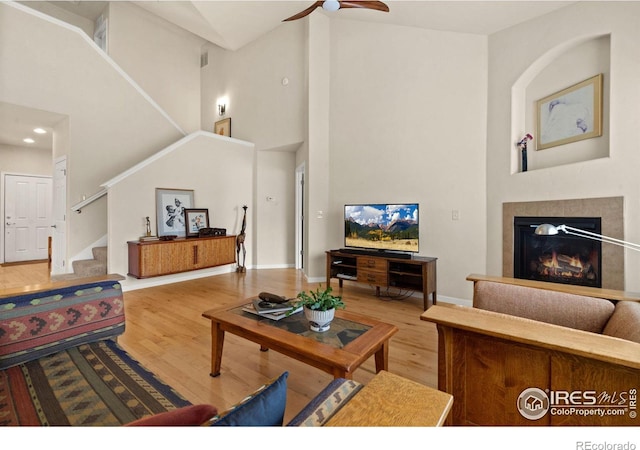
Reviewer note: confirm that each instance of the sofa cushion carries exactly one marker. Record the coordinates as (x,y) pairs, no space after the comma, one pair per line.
(559,308)
(625,322)
(262,408)
(39,324)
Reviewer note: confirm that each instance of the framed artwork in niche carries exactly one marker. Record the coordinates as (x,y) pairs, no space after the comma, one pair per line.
(196,219)
(570,115)
(170,208)
(223,127)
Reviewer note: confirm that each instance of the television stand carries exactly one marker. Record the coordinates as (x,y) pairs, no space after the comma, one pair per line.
(384,270)
(382,253)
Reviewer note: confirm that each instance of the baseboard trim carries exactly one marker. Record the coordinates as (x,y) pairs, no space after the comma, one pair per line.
(132,284)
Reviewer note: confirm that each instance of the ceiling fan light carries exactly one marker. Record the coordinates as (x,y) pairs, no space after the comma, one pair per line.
(331,5)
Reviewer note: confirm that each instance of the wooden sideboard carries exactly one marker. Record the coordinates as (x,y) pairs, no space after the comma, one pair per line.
(156,258)
(417,273)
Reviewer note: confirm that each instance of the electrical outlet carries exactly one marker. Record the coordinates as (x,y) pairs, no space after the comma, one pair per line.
(455,214)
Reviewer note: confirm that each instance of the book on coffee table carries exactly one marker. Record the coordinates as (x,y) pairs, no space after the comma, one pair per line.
(250,308)
(262,306)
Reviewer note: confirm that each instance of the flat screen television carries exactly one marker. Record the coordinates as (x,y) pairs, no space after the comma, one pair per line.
(382,227)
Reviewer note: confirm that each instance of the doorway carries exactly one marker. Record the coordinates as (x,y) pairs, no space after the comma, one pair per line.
(27,217)
(59,250)
(300,216)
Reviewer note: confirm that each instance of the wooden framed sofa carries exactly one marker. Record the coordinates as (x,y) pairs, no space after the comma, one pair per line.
(535,353)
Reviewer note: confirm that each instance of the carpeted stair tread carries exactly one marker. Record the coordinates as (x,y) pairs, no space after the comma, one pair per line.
(100,254)
(89,267)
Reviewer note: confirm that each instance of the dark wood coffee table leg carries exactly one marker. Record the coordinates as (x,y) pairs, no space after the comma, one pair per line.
(339,373)
(382,357)
(217,342)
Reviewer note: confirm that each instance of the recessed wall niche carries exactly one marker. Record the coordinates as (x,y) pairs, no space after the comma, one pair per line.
(561,68)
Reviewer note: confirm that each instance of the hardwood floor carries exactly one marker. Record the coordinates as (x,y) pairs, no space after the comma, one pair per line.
(18,275)
(166,332)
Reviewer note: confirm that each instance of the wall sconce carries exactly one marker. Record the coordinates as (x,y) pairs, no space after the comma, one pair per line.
(221,109)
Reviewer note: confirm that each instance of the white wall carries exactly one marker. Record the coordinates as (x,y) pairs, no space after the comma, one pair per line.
(219,170)
(318,177)
(262,109)
(408,124)
(270,114)
(111,124)
(52,10)
(276,207)
(23,160)
(512,53)
(161,57)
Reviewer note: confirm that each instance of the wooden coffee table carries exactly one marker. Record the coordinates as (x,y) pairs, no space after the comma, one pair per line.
(350,341)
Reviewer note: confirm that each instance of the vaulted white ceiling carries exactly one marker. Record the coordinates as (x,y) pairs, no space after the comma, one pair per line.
(233,24)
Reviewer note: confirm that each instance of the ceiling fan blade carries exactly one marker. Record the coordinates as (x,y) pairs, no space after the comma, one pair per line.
(378,6)
(304,13)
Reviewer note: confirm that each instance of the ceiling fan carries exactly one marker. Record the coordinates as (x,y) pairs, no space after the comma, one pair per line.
(334,5)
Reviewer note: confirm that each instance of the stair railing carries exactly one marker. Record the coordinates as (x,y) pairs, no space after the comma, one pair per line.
(78,206)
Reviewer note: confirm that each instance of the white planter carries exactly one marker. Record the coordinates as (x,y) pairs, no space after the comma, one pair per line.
(319,320)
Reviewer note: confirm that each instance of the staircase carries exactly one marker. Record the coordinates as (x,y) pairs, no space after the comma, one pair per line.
(87,267)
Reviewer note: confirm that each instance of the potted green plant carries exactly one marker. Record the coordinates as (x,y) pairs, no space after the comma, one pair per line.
(319,307)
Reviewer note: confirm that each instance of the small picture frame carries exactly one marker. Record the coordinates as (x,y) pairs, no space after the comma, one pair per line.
(570,115)
(196,219)
(223,127)
(170,207)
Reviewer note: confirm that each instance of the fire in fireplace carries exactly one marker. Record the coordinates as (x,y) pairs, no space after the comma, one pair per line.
(561,258)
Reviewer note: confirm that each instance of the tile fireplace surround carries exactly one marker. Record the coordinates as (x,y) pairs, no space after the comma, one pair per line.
(611,211)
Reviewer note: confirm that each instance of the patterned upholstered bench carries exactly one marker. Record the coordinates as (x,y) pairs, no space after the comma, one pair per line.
(60,363)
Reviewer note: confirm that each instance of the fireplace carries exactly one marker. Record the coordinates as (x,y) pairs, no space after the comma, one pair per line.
(561,258)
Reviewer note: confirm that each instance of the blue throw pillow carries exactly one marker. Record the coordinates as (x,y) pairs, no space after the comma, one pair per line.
(263,408)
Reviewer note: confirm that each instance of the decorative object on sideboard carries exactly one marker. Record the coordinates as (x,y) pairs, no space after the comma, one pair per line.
(522,145)
(147,234)
(223,127)
(570,115)
(546,229)
(148,225)
(195,220)
(319,307)
(240,243)
(170,206)
(204,232)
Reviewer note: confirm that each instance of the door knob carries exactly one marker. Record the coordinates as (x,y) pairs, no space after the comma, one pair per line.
(54,226)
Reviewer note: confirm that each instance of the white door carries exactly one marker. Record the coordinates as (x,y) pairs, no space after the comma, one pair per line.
(27,207)
(59,240)
(300,217)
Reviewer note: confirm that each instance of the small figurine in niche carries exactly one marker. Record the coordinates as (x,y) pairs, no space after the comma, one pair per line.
(240,243)
(522,145)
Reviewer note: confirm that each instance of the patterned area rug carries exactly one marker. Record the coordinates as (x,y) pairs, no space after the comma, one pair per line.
(96,384)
